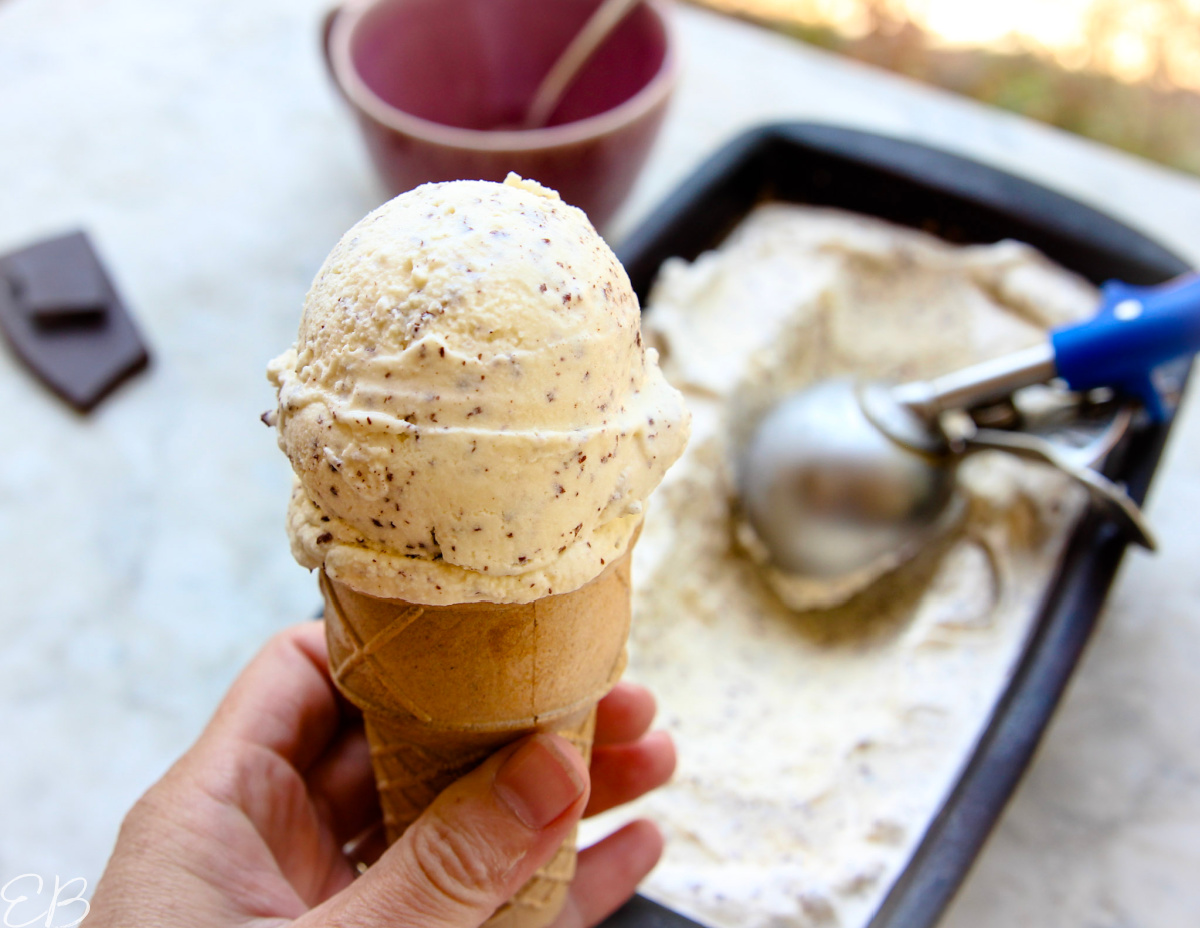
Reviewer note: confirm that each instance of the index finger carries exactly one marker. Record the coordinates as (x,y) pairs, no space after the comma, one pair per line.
(625,714)
(284,700)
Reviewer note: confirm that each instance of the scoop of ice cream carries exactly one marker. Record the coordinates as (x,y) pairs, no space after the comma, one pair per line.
(468,407)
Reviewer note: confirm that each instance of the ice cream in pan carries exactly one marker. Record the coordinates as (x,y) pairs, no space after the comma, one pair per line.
(474,425)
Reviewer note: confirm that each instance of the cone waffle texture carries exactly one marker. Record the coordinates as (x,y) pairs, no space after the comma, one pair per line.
(443,687)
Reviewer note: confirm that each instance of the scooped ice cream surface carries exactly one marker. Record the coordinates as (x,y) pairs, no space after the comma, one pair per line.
(468,407)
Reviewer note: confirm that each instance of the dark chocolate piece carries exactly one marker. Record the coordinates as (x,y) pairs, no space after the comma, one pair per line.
(59,283)
(65,320)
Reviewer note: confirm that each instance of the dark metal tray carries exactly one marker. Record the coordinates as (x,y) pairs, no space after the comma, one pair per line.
(961,201)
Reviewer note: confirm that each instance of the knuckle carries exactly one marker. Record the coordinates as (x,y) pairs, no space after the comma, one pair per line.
(281,642)
(460,864)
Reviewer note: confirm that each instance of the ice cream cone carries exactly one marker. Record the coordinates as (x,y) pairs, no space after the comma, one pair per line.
(475,425)
(443,687)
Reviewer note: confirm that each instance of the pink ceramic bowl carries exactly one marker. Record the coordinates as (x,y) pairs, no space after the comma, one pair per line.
(436,86)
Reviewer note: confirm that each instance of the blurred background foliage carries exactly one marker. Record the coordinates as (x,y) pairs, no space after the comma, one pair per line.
(1122,72)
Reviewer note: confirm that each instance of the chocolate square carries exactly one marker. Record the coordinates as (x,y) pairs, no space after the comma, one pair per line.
(66,321)
(59,283)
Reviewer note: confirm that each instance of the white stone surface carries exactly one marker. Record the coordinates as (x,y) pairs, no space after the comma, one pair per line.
(142,555)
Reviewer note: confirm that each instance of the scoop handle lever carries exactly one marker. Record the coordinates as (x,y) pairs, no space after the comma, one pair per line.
(1135,330)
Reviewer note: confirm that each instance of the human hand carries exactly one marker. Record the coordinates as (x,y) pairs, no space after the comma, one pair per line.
(250,825)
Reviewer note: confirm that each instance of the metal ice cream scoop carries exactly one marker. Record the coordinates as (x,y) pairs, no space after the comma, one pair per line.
(850,479)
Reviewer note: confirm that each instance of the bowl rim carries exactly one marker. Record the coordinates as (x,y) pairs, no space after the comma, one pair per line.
(344,20)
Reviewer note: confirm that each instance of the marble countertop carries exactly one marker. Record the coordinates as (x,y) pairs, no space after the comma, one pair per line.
(142,554)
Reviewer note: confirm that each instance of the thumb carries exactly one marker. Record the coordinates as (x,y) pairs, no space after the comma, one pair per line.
(477,844)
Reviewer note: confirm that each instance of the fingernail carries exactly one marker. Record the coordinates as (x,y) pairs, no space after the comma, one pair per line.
(538,782)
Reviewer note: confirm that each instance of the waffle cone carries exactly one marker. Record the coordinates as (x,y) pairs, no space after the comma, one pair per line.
(443,687)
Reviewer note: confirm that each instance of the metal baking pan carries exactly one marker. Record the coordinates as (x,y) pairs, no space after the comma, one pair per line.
(963,202)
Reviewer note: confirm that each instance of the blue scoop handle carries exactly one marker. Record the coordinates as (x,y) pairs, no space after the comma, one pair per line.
(1135,330)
